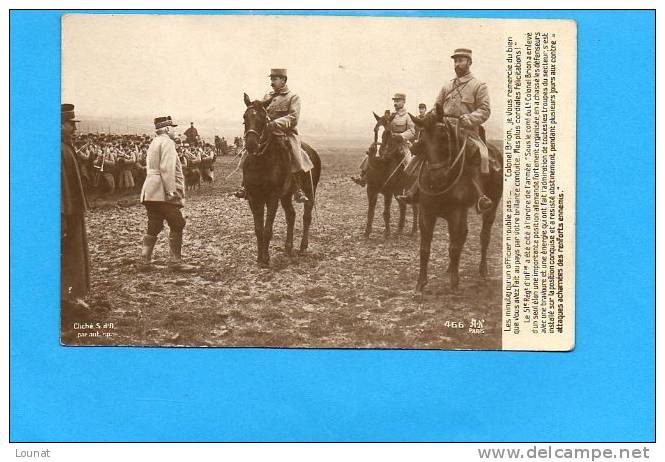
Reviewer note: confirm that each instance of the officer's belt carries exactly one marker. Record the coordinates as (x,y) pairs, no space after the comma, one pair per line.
(153,171)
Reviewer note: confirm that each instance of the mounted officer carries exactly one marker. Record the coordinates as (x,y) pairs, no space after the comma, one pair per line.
(464,100)
(192,134)
(283,109)
(403,131)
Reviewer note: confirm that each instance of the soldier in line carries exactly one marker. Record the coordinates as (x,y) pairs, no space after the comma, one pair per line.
(75,260)
(126,158)
(403,130)
(464,100)
(163,195)
(283,108)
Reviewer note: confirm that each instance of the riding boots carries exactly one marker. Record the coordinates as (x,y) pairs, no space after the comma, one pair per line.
(361,180)
(410,196)
(148,245)
(240,193)
(175,251)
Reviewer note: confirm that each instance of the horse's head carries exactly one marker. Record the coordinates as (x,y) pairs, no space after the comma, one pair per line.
(383,133)
(437,135)
(254,119)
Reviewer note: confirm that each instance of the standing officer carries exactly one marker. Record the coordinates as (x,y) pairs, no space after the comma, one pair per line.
(283,108)
(403,131)
(74,257)
(163,195)
(465,100)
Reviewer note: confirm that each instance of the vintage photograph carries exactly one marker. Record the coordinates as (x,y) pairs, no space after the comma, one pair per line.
(284,181)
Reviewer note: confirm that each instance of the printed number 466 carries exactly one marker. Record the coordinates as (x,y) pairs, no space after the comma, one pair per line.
(454,324)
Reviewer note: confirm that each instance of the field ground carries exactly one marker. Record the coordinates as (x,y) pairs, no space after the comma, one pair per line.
(345,293)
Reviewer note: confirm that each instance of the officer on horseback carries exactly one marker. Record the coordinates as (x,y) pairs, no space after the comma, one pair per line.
(465,100)
(403,130)
(283,109)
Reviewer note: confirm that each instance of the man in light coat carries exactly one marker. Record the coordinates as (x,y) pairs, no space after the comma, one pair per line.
(464,100)
(283,108)
(163,195)
(403,131)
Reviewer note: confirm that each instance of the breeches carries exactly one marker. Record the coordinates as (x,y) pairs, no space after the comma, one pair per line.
(158,212)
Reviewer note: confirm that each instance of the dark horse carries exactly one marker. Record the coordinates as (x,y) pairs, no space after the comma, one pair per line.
(268,181)
(447,188)
(385,175)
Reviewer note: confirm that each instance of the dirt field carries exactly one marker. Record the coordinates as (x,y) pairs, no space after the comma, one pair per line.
(346,292)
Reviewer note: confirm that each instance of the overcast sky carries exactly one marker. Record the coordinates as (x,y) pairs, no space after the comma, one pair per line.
(198,66)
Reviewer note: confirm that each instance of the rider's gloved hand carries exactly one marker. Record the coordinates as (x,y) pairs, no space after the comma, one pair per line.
(465,121)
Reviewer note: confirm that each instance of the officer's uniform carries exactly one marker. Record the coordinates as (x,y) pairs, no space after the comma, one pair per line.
(284,112)
(465,97)
(163,195)
(468,96)
(75,259)
(401,125)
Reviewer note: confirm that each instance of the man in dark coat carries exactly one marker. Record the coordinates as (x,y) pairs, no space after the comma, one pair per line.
(192,135)
(74,257)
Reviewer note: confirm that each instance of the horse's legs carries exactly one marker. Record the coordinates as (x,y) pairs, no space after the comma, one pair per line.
(290,214)
(372,196)
(416,209)
(485,235)
(387,202)
(427,222)
(258,210)
(310,191)
(272,204)
(306,223)
(402,217)
(457,231)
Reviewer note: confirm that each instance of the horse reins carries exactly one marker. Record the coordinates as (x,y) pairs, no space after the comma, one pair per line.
(461,155)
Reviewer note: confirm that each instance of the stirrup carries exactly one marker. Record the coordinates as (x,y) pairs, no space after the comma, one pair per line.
(300,196)
(484,204)
(360,181)
(240,194)
(405,199)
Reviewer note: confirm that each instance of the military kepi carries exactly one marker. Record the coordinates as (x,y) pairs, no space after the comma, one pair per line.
(166,121)
(67,113)
(399,96)
(277,73)
(464,52)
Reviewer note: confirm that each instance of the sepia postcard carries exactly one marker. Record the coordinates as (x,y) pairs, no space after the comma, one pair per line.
(318,182)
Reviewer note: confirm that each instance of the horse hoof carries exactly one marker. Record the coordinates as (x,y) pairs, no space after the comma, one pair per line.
(264,264)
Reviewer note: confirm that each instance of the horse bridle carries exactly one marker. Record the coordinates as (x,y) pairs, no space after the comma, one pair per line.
(460,158)
(376,143)
(258,135)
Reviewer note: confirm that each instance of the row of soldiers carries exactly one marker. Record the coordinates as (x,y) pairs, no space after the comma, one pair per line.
(111,163)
